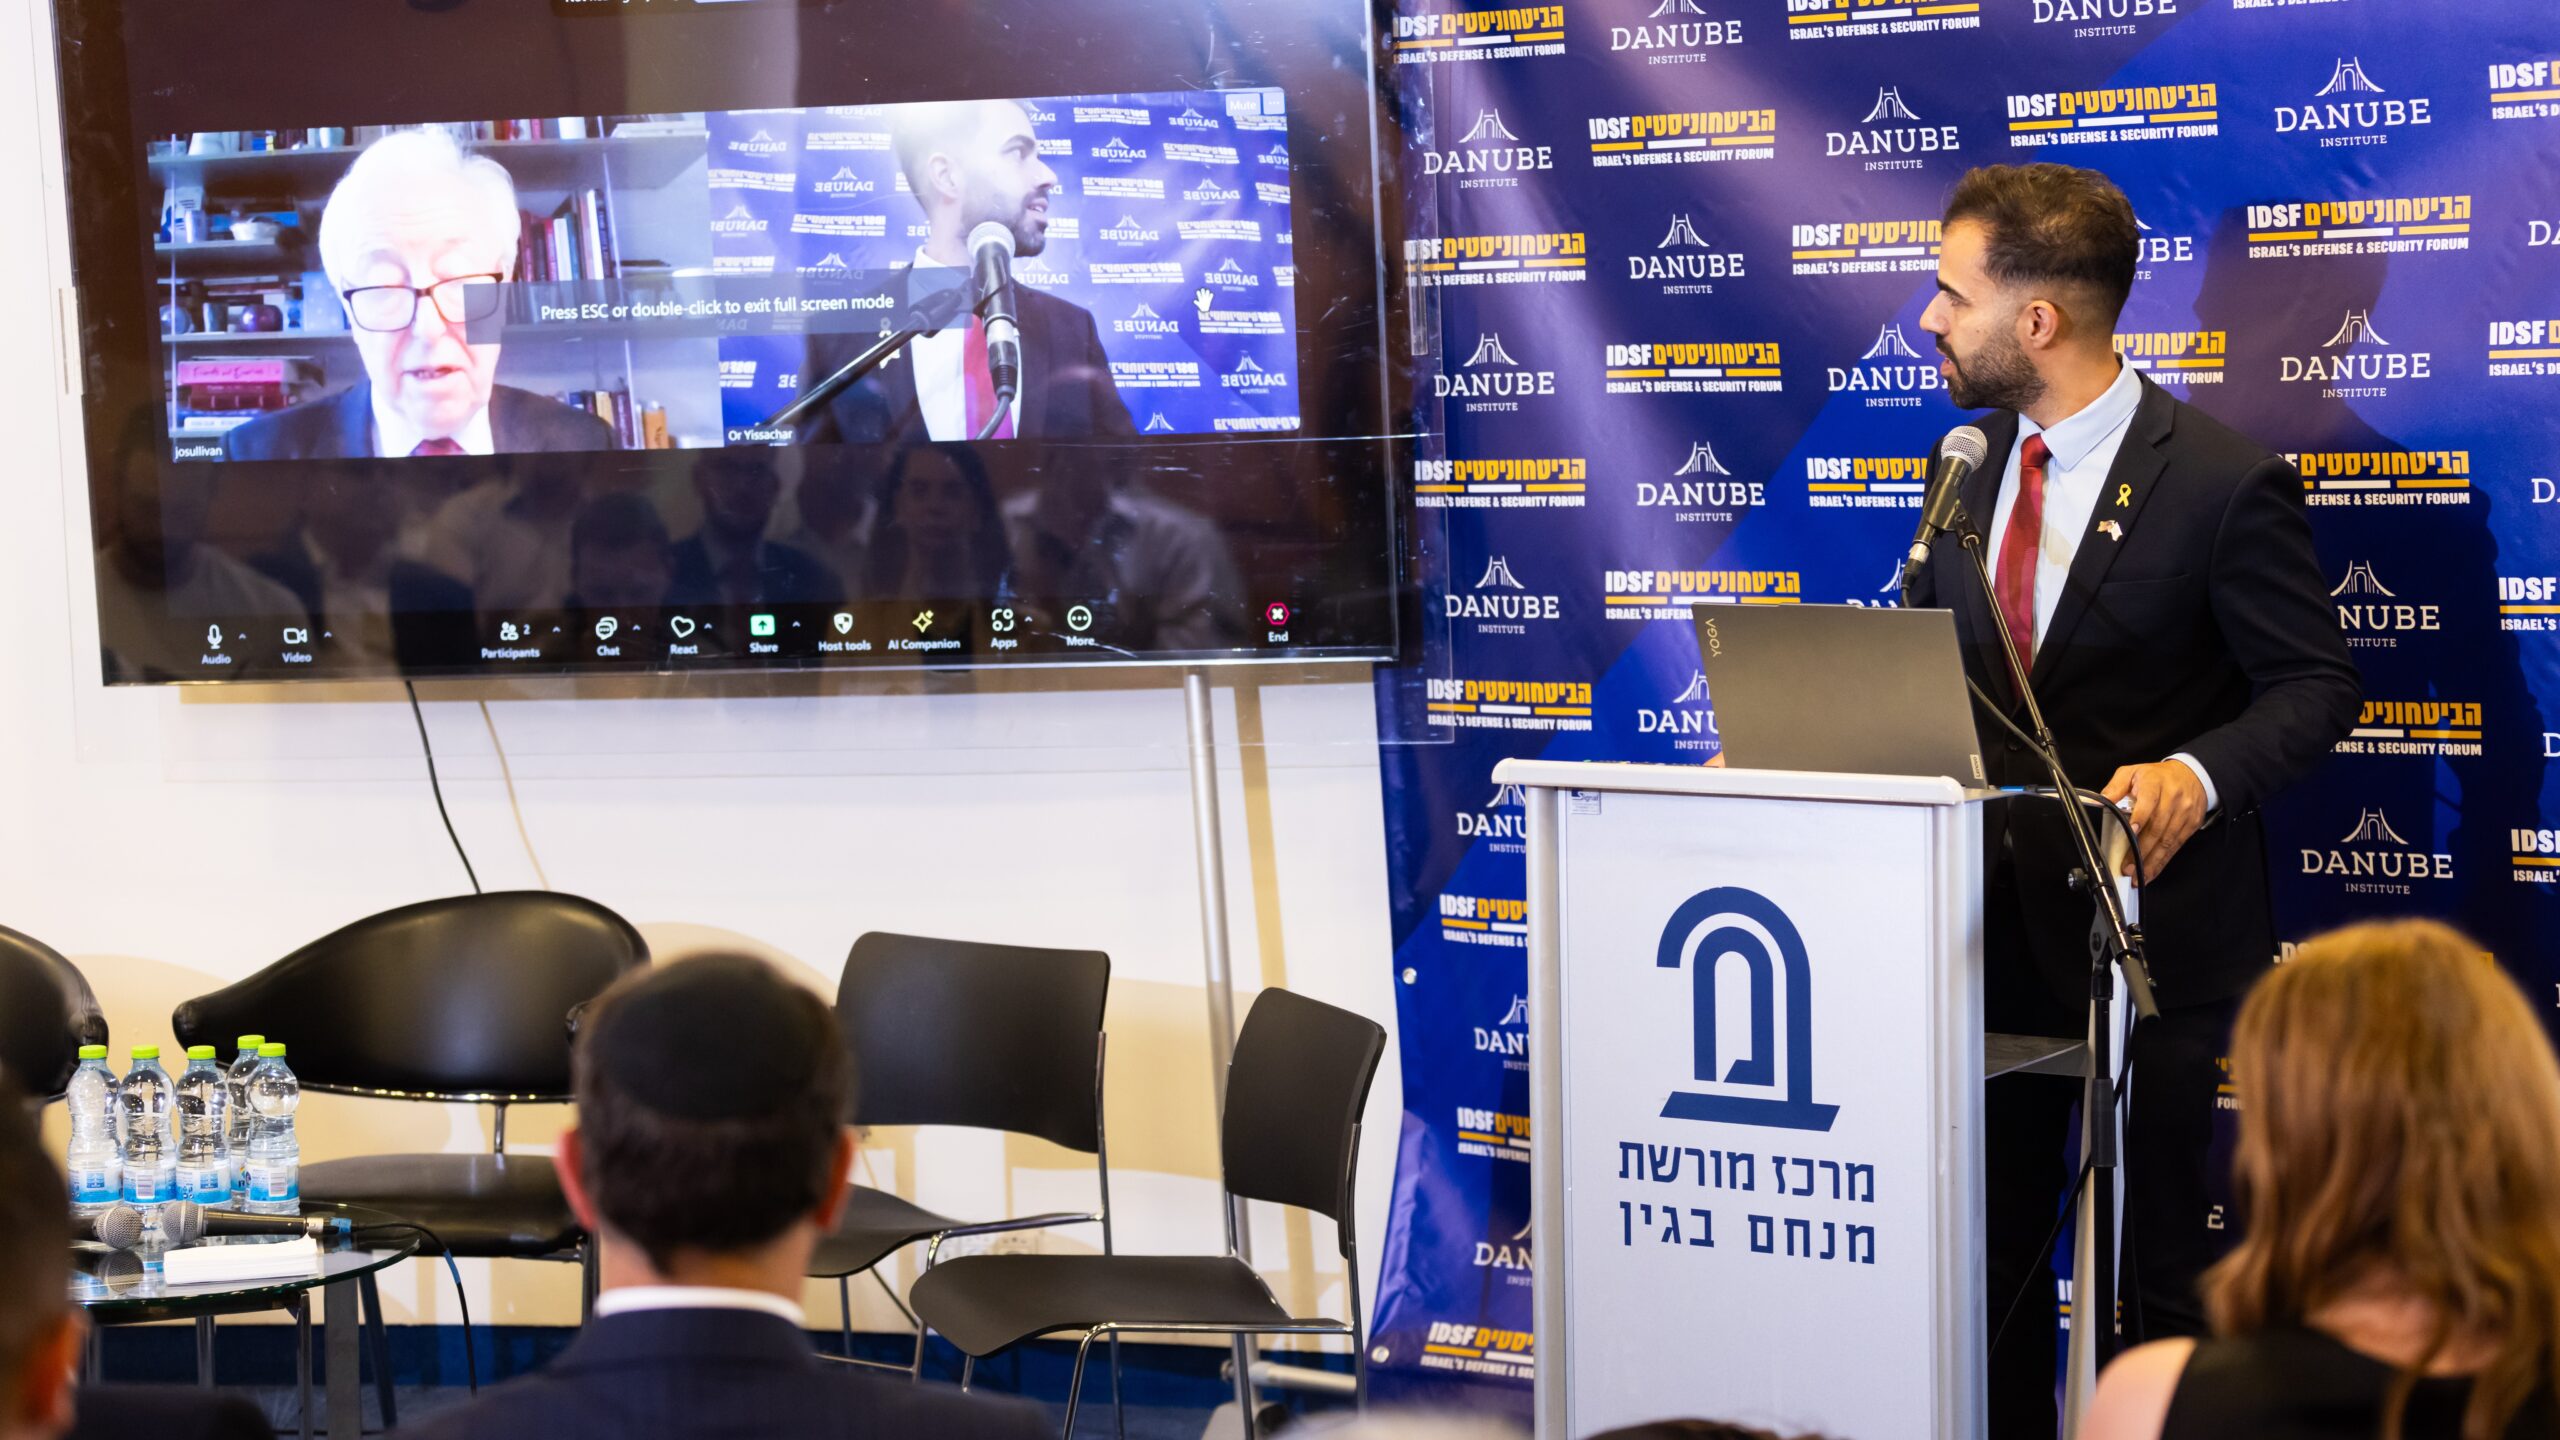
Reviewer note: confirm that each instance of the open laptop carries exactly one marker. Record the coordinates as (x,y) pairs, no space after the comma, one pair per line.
(1840,688)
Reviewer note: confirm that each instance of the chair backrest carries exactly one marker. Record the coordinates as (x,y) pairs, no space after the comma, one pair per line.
(954,1032)
(46,1014)
(447,999)
(1295,1092)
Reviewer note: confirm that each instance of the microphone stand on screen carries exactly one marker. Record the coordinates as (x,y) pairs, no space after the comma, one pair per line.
(2115,941)
(924,317)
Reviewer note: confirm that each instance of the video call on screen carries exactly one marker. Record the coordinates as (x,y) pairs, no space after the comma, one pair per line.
(442,378)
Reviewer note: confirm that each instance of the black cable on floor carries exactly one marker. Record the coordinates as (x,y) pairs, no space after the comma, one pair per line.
(438,787)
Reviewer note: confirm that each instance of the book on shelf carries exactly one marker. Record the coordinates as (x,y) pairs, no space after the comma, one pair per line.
(574,243)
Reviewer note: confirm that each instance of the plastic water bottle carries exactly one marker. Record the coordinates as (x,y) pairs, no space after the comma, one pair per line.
(238,1117)
(150,1150)
(95,1161)
(275,1155)
(204,1152)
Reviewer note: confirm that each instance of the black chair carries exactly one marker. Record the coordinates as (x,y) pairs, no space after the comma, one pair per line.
(460,999)
(1290,1135)
(47,1013)
(953,1032)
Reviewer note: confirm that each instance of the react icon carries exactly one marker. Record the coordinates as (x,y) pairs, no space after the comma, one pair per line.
(606,626)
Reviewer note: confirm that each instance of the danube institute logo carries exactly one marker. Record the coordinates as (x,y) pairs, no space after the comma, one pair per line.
(1489,156)
(1676,33)
(2374,616)
(1889,375)
(2374,859)
(1491,380)
(1891,137)
(2356,361)
(1499,604)
(2353,110)
(1682,261)
(1701,489)
(1730,922)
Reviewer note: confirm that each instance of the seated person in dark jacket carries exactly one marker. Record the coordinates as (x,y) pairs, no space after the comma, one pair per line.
(710,1154)
(2400,1181)
(41,1334)
(729,561)
(417,237)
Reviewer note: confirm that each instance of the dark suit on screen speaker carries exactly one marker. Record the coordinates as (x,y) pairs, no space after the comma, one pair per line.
(698,1374)
(2194,622)
(340,427)
(1067,389)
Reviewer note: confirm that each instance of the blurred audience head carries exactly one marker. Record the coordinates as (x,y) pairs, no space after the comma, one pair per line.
(711,1139)
(936,523)
(40,1334)
(2400,1135)
(618,554)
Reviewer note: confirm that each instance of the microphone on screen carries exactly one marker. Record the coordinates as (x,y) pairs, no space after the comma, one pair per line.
(991,266)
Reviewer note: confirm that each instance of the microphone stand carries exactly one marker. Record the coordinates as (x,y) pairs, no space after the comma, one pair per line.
(925,317)
(2114,941)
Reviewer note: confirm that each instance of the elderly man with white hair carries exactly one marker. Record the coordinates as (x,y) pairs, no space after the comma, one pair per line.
(416,237)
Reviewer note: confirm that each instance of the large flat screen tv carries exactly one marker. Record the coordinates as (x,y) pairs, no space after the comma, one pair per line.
(473,337)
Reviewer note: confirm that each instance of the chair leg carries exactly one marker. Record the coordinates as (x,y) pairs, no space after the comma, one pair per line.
(589,1277)
(1244,1388)
(1075,1384)
(844,1311)
(1119,1411)
(204,1351)
(968,1368)
(378,1339)
(301,1308)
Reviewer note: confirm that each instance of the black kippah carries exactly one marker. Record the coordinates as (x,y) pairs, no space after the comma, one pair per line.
(719,1037)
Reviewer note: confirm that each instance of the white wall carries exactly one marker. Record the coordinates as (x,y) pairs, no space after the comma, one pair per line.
(172,842)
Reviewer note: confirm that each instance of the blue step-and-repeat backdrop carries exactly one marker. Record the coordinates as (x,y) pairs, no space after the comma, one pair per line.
(1673,254)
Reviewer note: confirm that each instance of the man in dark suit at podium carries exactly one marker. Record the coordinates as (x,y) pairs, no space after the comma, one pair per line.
(968,162)
(710,1154)
(2158,572)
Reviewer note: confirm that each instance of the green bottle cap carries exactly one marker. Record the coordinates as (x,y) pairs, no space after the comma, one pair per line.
(199,1052)
(93,1052)
(252,1042)
(272,1050)
(145,1052)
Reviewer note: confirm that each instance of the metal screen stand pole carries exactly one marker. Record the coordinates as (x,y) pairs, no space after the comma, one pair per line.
(1208,843)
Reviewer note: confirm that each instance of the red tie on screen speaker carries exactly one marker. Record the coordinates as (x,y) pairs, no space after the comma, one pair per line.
(438,446)
(982,387)
(2018,547)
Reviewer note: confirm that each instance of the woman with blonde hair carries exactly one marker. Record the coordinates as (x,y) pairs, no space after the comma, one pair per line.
(2399,1178)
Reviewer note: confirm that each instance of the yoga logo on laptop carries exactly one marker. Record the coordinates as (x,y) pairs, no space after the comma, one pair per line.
(1731,923)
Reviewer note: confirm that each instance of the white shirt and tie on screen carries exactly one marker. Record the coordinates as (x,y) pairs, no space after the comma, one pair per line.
(954,390)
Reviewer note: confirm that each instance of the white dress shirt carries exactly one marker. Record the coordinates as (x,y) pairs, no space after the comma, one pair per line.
(394,435)
(698,1297)
(942,374)
(2083,448)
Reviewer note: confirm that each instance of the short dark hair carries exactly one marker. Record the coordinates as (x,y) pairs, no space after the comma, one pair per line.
(34,1239)
(2053,223)
(722,1184)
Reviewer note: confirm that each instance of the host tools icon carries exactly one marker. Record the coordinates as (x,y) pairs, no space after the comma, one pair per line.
(843,622)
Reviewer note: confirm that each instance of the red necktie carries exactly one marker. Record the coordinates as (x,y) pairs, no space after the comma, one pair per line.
(2016,587)
(438,446)
(982,388)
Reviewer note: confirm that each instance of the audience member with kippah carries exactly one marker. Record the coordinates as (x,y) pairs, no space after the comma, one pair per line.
(709,1155)
(2399,1183)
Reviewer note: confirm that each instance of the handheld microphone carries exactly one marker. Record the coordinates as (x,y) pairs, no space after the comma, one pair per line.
(183,1222)
(991,267)
(1958,454)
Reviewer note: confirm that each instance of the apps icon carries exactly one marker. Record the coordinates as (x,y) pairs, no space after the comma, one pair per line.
(760,625)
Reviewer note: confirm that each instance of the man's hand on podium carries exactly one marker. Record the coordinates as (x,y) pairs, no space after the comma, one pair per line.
(2168,806)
